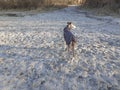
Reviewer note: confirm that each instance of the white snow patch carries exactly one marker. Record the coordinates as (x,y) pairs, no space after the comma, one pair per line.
(32,55)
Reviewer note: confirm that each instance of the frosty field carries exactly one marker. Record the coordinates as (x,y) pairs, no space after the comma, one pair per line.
(32,55)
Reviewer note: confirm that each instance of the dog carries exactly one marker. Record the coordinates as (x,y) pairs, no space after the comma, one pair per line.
(69,37)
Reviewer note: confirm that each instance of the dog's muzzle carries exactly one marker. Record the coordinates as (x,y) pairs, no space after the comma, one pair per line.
(73,26)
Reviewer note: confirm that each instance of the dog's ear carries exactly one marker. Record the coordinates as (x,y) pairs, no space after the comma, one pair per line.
(68,23)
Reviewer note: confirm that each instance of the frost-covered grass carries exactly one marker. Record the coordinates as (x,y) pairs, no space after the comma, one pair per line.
(32,55)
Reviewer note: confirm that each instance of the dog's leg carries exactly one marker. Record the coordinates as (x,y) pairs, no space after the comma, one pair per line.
(73,44)
(68,48)
(65,46)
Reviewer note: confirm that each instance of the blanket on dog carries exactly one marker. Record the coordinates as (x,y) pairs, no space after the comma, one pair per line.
(68,36)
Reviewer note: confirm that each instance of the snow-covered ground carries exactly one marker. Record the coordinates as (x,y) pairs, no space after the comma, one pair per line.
(32,55)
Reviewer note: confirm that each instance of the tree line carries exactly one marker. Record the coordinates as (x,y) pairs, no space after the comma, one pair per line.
(33,4)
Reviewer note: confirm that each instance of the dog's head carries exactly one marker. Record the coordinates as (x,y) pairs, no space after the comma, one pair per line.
(70,25)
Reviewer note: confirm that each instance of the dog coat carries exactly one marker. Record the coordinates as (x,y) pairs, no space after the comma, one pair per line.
(68,36)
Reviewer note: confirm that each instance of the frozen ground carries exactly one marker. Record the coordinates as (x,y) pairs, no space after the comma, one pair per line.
(32,55)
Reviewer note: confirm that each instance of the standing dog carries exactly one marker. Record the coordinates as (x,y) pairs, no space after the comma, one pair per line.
(69,37)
